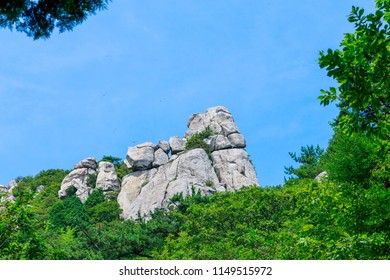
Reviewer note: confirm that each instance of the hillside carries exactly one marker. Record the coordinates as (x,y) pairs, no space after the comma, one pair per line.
(198,197)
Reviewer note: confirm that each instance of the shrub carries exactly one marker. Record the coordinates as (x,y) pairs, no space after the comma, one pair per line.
(196,141)
(310,158)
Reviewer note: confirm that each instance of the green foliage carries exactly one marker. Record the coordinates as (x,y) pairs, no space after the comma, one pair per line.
(101,210)
(182,203)
(305,220)
(106,211)
(70,191)
(309,159)
(196,141)
(380,176)
(91,182)
(67,244)
(69,212)
(361,68)
(121,170)
(96,197)
(351,158)
(19,236)
(209,183)
(113,160)
(51,180)
(39,18)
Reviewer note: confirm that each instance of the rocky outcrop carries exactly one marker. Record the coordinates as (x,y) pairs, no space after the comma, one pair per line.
(159,171)
(173,169)
(79,178)
(6,192)
(107,178)
(89,175)
(234,168)
(218,119)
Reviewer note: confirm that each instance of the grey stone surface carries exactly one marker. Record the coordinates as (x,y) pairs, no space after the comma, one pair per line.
(164,145)
(163,170)
(132,185)
(107,178)
(177,145)
(140,157)
(160,158)
(228,169)
(7,191)
(237,140)
(11,185)
(219,119)
(234,169)
(77,178)
(146,191)
(219,142)
(87,163)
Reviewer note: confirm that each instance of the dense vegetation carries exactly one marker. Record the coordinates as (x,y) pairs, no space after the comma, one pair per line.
(345,215)
(303,219)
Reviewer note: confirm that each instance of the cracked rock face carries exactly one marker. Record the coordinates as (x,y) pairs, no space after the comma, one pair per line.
(234,169)
(144,191)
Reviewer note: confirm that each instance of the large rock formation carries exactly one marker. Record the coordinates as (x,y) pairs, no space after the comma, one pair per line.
(169,167)
(173,169)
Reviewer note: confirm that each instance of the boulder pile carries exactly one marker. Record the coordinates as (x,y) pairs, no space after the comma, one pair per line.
(88,175)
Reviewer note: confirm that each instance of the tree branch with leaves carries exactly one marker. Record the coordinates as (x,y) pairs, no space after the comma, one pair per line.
(38,18)
(362,69)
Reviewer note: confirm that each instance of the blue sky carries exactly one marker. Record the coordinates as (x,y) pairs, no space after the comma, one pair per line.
(137,71)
